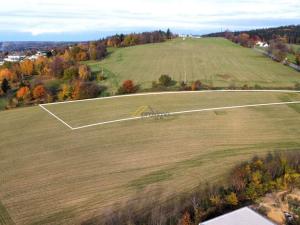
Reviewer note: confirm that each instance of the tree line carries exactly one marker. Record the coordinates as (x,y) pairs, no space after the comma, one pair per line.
(291,33)
(246,183)
(121,40)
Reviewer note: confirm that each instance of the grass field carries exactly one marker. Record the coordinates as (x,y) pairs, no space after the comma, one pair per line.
(53,175)
(214,61)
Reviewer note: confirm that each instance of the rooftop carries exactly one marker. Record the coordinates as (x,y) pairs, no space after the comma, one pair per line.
(243,216)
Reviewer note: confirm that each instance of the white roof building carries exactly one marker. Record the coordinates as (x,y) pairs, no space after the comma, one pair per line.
(262,44)
(14,58)
(243,216)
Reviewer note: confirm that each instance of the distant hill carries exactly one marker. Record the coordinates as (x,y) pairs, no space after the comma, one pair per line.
(292,32)
(30,45)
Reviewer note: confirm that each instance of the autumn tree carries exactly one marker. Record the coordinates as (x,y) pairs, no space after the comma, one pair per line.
(84,72)
(27,67)
(40,64)
(39,92)
(23,93)
(6,74)
(65,93)
(84,90)
(243,39)
(196,85)
(130,40)
(232,199)
(128,87)
(278,49)
(55,68)
(186,219)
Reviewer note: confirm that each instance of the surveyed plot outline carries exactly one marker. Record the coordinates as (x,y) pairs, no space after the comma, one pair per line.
(43,106)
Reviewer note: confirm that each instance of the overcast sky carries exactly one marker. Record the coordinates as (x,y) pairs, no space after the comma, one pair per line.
(91,19)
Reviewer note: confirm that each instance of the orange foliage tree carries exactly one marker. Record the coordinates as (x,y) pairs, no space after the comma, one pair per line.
(23,93)
(39,92)
(196,85)
(186,219)
(6,74)
(27,67)
(127,87)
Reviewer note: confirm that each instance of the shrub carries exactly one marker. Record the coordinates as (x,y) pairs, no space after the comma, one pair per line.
(232,199)
(128,87)
(53,86)
(70,73)
(39,92)
(83,90)
(23,92)
(196,85)
(165,80)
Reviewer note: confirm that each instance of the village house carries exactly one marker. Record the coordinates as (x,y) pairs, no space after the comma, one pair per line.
(262,44)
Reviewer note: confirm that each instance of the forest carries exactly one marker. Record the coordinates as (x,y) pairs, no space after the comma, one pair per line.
(291,33)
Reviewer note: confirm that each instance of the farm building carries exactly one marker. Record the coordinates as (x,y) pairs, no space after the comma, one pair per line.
(243,216)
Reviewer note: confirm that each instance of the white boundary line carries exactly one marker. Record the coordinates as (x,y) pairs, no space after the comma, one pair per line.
(188,111)
(52,114)
(170,113)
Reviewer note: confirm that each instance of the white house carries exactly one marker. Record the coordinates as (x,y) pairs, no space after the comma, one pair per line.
(14,58)
(243,216)
(262,44)
(182,35)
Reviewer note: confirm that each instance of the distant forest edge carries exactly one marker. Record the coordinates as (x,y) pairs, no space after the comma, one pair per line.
(291,32)
(137,38)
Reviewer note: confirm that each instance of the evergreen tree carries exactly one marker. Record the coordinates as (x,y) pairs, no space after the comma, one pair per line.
(5,85)
(169,34)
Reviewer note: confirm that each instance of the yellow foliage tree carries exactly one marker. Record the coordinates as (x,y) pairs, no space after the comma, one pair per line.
(65,93)
(84,72)
(27,67)
(232,199)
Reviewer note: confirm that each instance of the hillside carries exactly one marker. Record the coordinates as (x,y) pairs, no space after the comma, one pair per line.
(51,174)
(214,61)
